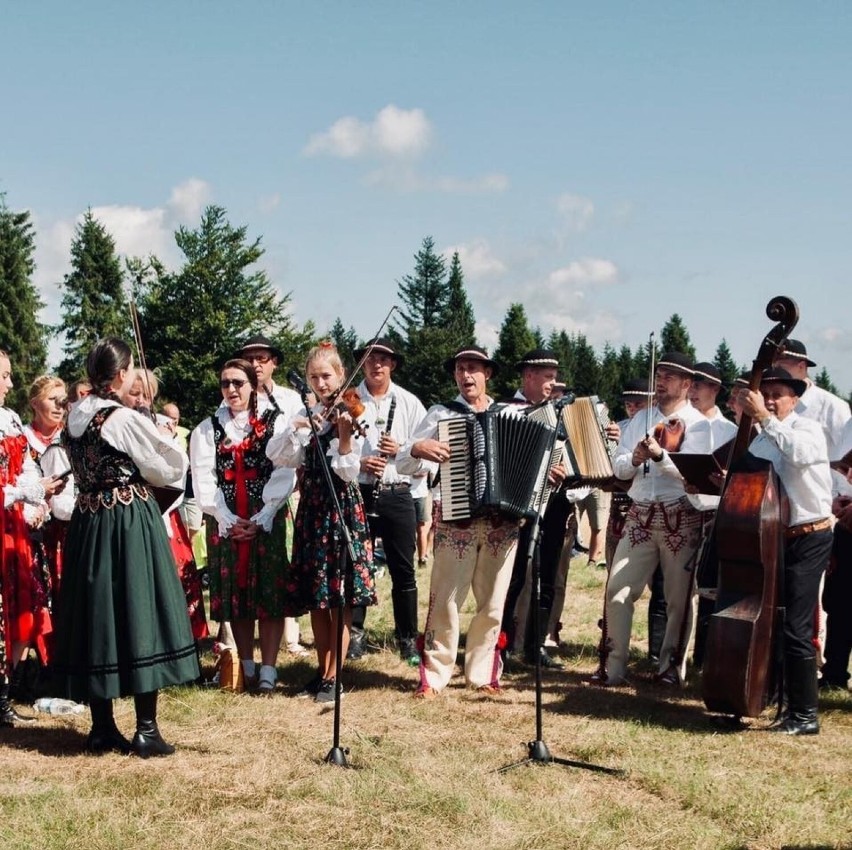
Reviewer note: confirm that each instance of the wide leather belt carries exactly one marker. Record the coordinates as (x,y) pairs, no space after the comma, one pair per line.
(807,528)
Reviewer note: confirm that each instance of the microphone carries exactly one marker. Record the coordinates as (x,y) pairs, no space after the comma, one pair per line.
(296,382)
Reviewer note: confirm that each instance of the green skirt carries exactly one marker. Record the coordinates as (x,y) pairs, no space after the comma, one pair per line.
(123,627)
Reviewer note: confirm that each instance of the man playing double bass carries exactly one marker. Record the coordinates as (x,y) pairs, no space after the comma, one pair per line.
(797,449)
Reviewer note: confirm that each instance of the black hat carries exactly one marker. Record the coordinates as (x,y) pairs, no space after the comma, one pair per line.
(777,375)
(539,357)
(708,373)
(470,352)
(635,388)
(560,386)
(381,346)
(260,342)
(676,362)
(795,348)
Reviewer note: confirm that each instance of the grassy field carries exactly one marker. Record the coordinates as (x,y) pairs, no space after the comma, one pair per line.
(249,771)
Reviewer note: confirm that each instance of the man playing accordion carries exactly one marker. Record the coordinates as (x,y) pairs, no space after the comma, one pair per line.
(473,553)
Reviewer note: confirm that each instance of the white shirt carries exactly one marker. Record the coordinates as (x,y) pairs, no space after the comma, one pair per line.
(54,462)
(208,494)
(27,487)
(159,460)
(830,411)
(722,431)
(663,482)
(408,414)
(287,449)
(797,450)
(840,485)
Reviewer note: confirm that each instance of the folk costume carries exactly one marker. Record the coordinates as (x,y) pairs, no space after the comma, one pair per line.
(473,554)
(797,449)
(26,579)
(122,626)
(314,581)
(233,478)
(662,527)
(390,502)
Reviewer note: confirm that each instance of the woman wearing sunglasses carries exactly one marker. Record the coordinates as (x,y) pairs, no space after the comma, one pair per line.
(236,485)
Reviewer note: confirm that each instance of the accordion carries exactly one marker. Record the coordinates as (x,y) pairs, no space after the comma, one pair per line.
(588,451)
(498,461)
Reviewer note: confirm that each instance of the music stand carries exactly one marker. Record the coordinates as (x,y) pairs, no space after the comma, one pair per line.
(537,750)
(337,754)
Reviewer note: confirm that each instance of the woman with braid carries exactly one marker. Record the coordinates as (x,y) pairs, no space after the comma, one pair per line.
(122,626)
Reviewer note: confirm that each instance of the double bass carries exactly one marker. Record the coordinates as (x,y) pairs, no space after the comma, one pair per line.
(749,536)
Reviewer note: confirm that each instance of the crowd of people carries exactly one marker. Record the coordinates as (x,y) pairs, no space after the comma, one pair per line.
(105,499)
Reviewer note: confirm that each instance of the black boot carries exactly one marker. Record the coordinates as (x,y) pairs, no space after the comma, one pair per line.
(657,618)
(105,737)
(147,740)
(802,696)
(405,616)
(534,643)
(8,715)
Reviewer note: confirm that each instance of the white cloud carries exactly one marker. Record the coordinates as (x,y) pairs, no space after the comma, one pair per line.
(583,273)
(137,231)
(408,180)
(393,133)
(477,259)
(576,211)
(188,199)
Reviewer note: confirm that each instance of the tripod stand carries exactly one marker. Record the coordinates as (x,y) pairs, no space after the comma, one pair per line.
(537,750)
(346,558)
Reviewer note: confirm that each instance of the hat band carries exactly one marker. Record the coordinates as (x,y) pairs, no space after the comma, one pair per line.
(712,378)
(545,361)
(667,364)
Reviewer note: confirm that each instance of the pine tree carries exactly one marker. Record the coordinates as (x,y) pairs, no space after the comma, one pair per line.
(425,293)
(515,340)
(824,381)
(459,318)
(724,361)
(93,303)
(346,342)
(22,336)
(426,341)
(586,369)
(675,337)
(608,388)
(194,319)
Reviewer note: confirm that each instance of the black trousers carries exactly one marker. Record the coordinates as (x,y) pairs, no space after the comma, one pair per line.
(837,602)
(549,549)
(805,559)
(396,523)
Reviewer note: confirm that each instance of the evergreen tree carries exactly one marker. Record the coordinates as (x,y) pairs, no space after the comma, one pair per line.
(93,303)
(675,337)
(515,340)
(724,361)
(459,318)
(22,336)
(609,378)
(194,319)
(824,381)
(426,340)
(425,293)
(560,344)
(586,367)
(346,342)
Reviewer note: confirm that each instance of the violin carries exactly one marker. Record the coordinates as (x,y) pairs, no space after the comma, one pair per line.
(349,402)
(670,434)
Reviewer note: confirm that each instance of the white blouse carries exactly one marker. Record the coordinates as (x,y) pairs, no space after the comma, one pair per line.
(211,499)
(54,461)
(27,488)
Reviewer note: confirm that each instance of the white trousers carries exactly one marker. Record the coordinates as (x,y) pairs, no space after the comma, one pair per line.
(656,533)
(478,556)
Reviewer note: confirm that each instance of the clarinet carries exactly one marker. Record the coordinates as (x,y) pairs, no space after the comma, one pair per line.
(377,484)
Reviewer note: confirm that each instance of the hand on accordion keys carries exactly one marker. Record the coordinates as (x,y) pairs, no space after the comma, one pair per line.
(433,450)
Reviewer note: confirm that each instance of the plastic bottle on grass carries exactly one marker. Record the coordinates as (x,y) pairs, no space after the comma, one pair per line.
(55,705)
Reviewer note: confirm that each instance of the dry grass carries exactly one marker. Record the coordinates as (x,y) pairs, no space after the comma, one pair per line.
(249,772)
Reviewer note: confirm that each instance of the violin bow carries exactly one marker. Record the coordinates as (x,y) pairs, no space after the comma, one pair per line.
(652,350)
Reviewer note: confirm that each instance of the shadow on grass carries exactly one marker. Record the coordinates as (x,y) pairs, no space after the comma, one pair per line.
(55,741)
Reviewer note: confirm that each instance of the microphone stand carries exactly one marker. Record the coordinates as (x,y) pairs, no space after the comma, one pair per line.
(537,750)
(337,754)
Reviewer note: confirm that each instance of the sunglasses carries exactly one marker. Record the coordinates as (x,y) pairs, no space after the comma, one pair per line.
(237,383)
(258,358)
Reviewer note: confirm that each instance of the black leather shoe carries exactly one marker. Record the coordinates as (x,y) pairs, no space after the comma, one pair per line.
(796,726)
(102,741)
(148,742)
(547,663)
(357,646)
(9,717)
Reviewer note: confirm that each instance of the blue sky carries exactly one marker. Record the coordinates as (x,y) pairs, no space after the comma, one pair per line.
(605,164)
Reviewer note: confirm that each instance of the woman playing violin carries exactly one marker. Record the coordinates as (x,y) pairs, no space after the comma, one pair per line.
(315,580)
